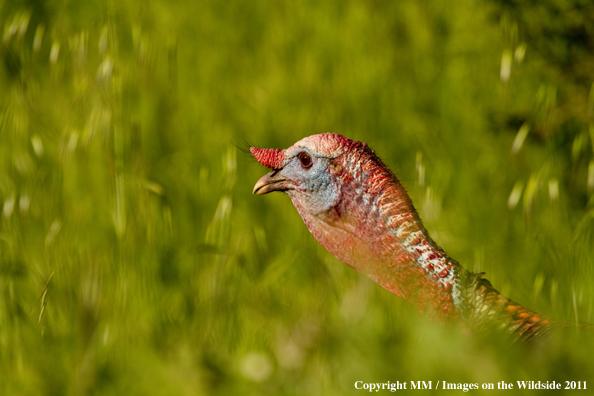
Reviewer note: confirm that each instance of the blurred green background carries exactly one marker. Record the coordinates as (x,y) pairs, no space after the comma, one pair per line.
(134,259)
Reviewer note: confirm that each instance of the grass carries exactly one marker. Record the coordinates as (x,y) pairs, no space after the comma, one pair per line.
(135,260)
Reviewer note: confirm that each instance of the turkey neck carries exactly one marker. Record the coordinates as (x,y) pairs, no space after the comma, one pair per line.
(375,229)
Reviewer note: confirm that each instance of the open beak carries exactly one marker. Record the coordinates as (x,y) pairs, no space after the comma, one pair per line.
(270,182)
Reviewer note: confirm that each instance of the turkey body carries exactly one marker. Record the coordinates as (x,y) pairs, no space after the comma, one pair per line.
(358,210)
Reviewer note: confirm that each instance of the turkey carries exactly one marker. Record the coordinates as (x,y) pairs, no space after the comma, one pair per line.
(358,210)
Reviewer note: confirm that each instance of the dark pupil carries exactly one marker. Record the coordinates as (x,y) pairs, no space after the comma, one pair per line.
(305,160)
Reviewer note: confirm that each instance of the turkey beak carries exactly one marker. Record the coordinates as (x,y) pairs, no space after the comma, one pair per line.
(270,182)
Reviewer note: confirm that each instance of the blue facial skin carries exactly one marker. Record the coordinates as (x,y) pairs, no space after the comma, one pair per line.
(315,188)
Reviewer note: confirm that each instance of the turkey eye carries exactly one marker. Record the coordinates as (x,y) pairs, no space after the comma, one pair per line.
(305,160)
